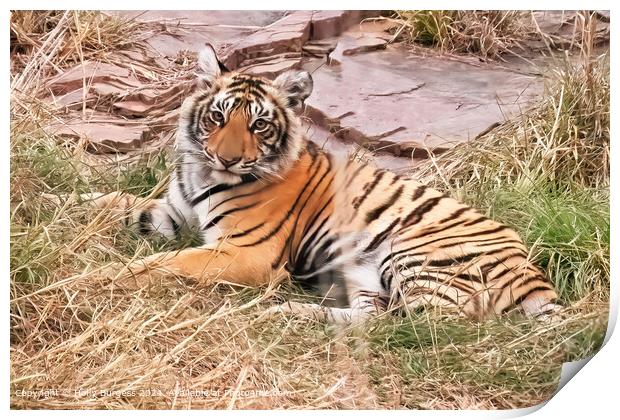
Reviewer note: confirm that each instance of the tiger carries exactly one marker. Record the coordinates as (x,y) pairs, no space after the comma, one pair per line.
(266,200)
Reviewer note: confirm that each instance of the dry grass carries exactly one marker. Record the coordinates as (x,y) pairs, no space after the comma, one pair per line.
(489,34)
(75,35)
(486,33)
(77,342)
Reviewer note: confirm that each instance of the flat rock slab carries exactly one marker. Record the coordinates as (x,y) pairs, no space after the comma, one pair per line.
(190,30)
(398,101)
(108,135)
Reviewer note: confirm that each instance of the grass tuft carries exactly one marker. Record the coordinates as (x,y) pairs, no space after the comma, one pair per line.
(486,33)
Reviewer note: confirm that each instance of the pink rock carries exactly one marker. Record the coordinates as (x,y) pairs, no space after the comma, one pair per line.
(351,43)
(286,34)
(89,73)
(270,68)
(104,137)
(404,103)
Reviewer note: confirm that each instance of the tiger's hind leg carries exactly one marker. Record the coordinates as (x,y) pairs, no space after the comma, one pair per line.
(540,304)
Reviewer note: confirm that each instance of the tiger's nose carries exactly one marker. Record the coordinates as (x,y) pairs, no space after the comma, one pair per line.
(229,162)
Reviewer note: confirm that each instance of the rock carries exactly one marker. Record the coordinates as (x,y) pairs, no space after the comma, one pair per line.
(405,103)
(249,18)
(285,35)
(151,102)
(319,49)
(175,40)
(372,97)
(90,73)
(190,30)
(355,43)
(291,34)
(271,66)
(330,23)
(563,32)
(110,135)
(73,100)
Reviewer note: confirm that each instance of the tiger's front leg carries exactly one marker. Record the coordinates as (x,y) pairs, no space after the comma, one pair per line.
(204,265)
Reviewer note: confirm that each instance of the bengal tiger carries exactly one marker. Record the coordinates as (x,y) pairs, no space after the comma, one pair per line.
(265,198)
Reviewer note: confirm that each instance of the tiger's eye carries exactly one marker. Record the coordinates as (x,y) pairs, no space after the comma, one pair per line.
(216,116)
(259,125)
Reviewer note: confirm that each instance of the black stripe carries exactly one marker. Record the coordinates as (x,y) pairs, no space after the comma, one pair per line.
(475,221)
(418,192)
(213,190)
(500,274)
(386,283)
(311,223)
(245,178)
(197,115)
(180,179)
(294,253)
(235,197)
(490,265)
(484,242)
(175,226)
(377,212)
(426,232)
(308,243)
(300,211)
(544,287)
(454,215)
(220,216)
(466,235)
(415,290)
(463,276)
(422,233)
(416,215)
(355,173)
(376,241)
(447,262)
(248,231)
(449,282)
(357,202)
(312,149)
(144,222)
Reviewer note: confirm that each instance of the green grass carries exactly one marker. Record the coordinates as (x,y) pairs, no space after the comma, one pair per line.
(569,231)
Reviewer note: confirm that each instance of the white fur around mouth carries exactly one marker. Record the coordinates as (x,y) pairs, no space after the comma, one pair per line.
(225,176)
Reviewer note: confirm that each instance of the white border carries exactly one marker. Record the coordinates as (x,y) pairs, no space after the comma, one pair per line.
(593,394)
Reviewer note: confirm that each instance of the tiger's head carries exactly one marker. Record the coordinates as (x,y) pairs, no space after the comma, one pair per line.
(238,124)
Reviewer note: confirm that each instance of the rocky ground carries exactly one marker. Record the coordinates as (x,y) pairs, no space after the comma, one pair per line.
(370,94)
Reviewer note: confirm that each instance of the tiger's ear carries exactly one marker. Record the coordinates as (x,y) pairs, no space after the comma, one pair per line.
(209,67)
(296,86)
